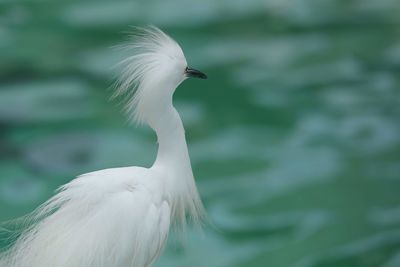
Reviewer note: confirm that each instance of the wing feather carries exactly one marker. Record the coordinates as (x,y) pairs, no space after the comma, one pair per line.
(110,225)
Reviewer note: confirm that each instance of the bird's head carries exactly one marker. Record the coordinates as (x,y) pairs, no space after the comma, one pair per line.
(151,73)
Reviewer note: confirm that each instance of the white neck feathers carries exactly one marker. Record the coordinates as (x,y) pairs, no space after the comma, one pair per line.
(173,158)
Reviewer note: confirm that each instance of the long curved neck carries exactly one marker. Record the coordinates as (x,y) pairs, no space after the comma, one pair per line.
(173,160)
(172,147)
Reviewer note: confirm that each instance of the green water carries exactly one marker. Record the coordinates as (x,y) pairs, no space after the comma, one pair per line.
(294,138)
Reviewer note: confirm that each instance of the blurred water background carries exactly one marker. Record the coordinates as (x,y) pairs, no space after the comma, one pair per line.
(294,138)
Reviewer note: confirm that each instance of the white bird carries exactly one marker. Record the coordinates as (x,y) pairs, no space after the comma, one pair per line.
(121,217)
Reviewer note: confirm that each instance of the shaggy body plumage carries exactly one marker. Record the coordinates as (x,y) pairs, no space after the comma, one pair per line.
(121,217)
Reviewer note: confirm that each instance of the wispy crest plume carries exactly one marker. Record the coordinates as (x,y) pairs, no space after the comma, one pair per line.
(148,49)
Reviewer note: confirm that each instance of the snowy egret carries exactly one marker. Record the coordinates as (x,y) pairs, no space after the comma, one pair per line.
(121,217)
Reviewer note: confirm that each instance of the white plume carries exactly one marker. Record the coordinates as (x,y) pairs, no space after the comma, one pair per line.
(153,56)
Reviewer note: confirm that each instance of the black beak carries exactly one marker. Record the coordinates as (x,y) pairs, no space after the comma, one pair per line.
(195,73)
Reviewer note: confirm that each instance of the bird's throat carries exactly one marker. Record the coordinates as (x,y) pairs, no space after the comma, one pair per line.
(172,146)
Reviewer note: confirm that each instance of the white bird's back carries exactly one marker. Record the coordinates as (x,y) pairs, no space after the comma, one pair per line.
(121,217)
